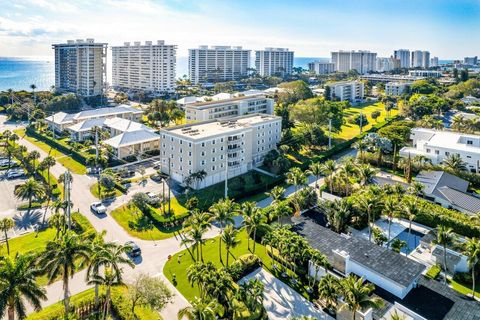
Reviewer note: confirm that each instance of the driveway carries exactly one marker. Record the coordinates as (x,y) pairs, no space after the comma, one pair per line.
(281,301)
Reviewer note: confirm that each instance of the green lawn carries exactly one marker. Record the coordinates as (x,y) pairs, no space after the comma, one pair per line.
(179,263)
(56,310)
(464,289)
(177,208)
(64,159)
(105,193)
(350,130)
(137,225)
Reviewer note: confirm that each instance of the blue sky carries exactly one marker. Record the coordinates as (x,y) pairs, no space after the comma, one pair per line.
(448,29)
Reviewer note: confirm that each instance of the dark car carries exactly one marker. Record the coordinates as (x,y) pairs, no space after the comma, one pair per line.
(134,250)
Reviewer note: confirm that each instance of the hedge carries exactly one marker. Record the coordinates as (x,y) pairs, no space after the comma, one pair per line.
(244,265)
(160,220)
(77,156)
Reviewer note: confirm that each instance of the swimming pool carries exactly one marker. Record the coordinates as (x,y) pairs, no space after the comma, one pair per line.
(412,241)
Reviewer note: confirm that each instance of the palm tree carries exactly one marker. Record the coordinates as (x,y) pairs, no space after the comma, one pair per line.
(297,177)
(18,282)
(367,203)
(229,237)
(57,220)
(206,309)
(277,194)
(410,210)
(108,279)
(397,245)
(223,212)
(33,87)
(356,295)
(444,238)
(6,224)
(454,162)
(390,209)
(30,189)
(32,158)
(251,223)
(472,251)
(63,257)
(329,291)
(328,169)
(361,146)
(347,172)
(366,173)
(195,237)
(316,170)
(46,164)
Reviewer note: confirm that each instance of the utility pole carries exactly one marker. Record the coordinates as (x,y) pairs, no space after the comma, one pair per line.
(361,121)
(226,176)
(67,190)
(329,133)
(168,185)
(96,146)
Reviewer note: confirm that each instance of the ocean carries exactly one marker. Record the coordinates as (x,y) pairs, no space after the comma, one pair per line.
(20,73)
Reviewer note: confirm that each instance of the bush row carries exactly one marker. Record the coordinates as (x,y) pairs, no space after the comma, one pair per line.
(244,265)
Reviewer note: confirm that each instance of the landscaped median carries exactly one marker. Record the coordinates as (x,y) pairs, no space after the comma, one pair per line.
(121,307)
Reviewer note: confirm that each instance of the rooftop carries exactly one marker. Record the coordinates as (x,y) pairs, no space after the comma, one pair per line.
(204,129)
(87,125)
(124,125)
(448,139)
(131,137)
(432,180)
(380,260)
(62,117)
(225,99)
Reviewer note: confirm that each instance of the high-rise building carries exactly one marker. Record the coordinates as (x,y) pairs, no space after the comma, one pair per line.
(319,67)
(149,67)
(362,61)
(471,60)
(420,59)
(404,56)
(217,63)
(387,64)
(274,62)
(80,67)
(434,62)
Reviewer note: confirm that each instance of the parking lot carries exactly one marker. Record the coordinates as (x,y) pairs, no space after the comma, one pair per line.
(8,201)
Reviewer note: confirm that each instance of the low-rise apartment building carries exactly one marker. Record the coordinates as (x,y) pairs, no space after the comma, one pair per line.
(227,108)
(352,91)
(425,73)
(397,88)
(438,145)
(61,120)
(319,67)
(230,147)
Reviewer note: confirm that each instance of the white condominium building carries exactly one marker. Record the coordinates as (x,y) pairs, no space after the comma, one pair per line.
(434,62)
(228,108)
(217,63)
(473,61)
(149,67)
(404,56)
(362,61)
(420,59)
(387,64)
(396,88)
(352,91)
(221,148)
(438,145)
(319,67)
(80,67)
(425,73)
(274,62)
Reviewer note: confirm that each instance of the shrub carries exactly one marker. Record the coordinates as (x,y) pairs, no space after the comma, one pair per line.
(244,265)
(433,272)
(356,119)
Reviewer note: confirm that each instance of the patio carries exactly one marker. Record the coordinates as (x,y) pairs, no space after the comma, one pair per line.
(281,301)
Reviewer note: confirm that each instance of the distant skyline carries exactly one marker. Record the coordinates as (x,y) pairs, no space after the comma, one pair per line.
(448,29)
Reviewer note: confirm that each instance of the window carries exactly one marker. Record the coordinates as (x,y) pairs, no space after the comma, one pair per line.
(189,162)
(181,141)
(213,168)
(181,159)
(221,148)
(213,159)
(203,153)
(221,157)
(469,142)
(213,141)
(437,152)
(203,162)
(428,150)
(447,153)
(221,139)
(181,150)
(189,153)
(203,144)
(213,150)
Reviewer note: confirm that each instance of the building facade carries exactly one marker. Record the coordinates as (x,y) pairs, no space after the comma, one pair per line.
(220,148)
(425,73)
(319,67)
(362,61)
(472,61)
(387,64)
(274,62)
(438,145)
(434,62)
(149,67)
(228,108)
(420,59)
(80,67)
(404,56)
(353,91)
(217,63)
(397,88)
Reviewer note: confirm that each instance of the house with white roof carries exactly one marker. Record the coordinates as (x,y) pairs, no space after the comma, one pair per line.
(134,143)
(437,145)
(61,120)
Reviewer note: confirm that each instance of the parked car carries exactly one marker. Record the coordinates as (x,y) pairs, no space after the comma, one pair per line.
(126,173)
(133,250)
(15,174)
(156,178)
(98,208)
(157,165)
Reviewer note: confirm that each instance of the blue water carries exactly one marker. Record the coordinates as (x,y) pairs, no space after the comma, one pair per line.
(19,74)
(412,242)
